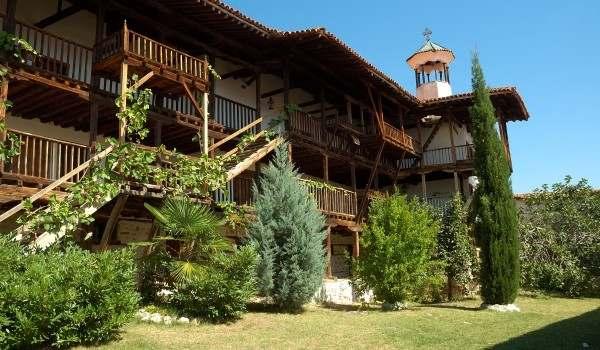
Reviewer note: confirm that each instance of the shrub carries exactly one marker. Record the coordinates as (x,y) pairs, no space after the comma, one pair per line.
(397,248)
(209,278)
(60,298)
(288,232)
(560,239)
(456,248)
(220,291)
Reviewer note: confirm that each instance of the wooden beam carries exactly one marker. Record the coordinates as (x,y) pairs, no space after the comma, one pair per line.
(58,16)
(329,252)
(112,221)
(258,86)
(451,132)
(142,80)
(46,190)
(356,244)
(189,94)
(272,93)
(235,134)
(325,167)
(363,205)
(124,77)
(423,186)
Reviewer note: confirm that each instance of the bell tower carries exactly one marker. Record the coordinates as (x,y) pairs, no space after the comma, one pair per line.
(432,72)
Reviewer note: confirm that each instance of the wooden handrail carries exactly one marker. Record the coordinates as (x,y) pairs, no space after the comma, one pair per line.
(55,184)
(235,134)
(46,138)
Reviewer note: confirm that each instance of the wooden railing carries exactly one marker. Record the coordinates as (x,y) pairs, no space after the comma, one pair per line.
(400,138)
(304,124)
(43,159)
(233,115)
(57,56)
(442,156)
(332,199)
(132,43)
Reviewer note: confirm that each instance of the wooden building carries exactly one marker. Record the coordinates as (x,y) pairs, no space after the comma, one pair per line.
(355,128)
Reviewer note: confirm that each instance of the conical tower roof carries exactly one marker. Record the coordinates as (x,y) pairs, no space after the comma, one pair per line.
(430,52)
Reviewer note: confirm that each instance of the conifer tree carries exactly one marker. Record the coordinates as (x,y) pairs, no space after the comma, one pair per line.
(495,210)
(288,232)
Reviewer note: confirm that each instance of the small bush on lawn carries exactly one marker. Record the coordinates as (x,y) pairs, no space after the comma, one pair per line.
(219,292)
(60,298)
(397,248)
(560,239)
(206,275)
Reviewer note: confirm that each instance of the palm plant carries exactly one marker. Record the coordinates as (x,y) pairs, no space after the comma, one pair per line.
(196,228)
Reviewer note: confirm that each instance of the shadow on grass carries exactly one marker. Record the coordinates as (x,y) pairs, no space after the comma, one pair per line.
(571,333)
(450,306)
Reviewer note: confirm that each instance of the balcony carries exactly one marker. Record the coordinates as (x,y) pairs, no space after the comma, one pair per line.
(400,139)
(442,157)
(140,51)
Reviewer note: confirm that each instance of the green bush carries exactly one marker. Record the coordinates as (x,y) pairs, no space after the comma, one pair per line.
(60,298)
(456,248)
(219,292)
(397,248)
(560,239)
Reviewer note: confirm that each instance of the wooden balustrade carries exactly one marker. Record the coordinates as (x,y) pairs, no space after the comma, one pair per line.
(400,138)
(333,200)
(303,124)
(233,115)
(57,56)
(44,159)
(137,45)
(442,156)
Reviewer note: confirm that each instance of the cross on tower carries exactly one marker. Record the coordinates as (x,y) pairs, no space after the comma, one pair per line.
(427,34)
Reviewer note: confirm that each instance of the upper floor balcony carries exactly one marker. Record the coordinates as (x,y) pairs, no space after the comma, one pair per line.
(441,158)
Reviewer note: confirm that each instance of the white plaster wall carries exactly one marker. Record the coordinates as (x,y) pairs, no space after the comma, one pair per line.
(442,138)
(435,189)
(434,89)
(36,127)
(80,27)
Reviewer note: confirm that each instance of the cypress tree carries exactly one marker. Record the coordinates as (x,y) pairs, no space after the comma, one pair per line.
(288,232)
(495,211)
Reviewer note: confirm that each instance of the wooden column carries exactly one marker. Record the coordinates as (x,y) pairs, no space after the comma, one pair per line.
(423,186)
(353,176)
(205,122)
(94,107)
(322,107)
(328,233)
(3,101)
(349,110)
(286,83)
(325,167)
(356,244)
(420,139)
(10,21)
(124,76)
(451,132)
(157,133)
(258,83)
(456,183)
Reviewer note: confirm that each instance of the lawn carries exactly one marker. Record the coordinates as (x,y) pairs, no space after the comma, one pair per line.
(544,323)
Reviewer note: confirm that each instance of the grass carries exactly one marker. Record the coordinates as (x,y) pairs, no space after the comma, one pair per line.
(544,323)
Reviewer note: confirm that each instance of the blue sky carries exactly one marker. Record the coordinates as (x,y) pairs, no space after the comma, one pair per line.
(550,50)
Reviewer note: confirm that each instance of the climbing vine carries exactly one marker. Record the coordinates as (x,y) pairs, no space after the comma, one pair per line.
(134,116)
(14,47)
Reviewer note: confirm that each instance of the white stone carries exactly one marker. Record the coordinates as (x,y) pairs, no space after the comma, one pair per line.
(501,307)
(340,292)
(183,320)
(156,318)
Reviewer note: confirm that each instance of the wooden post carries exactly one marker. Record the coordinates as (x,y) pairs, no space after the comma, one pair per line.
(423,186)
(420,139)
(289,147)
(3,101)
(286,83)
(456,183)
(322,102)
(157,133)
(349,110)
(10,21)
(124,77)
(451,131)
(356,244)
(112,221)
(205,123)
(325,167)
(353,176)
(258,87)
(328,231)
